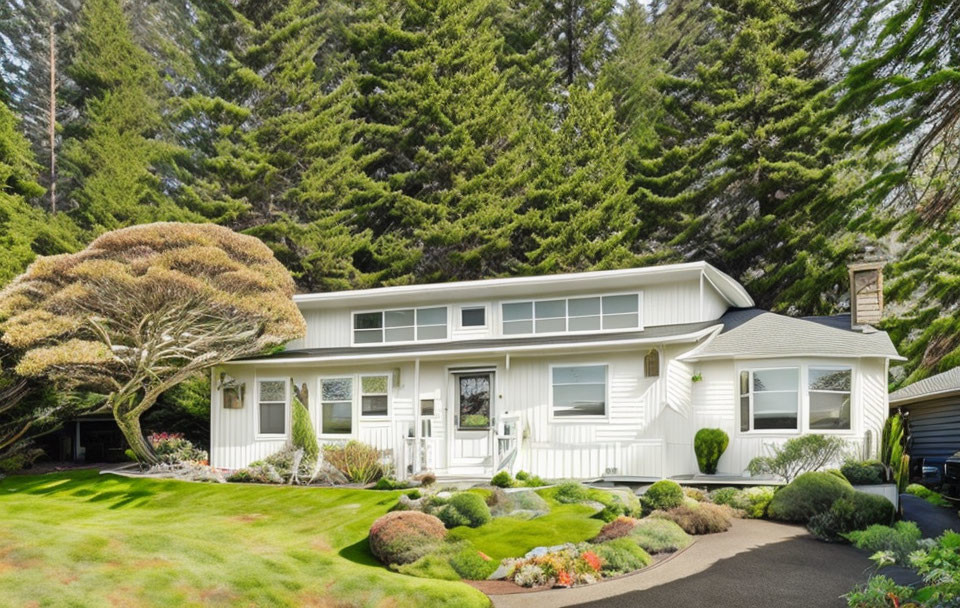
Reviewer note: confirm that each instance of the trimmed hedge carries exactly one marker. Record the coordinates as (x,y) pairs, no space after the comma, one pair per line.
(403,537)
(709,445)
(662,495)
(807,495)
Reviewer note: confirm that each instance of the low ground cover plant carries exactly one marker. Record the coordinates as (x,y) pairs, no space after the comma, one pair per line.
(662,495)
(655,535)
(572,565)
(525,504)
(900,539)
(615,502)
(529,481)
(703,518)
(620,556)
(709,445)
(807,495)
(927,494)
(752,501)
(403,537)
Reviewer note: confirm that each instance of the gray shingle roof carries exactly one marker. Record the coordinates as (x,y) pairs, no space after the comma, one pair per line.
(751,332)
(946,382)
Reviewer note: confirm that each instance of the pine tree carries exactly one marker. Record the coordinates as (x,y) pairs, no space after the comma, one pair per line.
(576,34)
(119,157)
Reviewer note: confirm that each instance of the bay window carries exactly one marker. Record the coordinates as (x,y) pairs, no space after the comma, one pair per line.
(829,394)
(779,399)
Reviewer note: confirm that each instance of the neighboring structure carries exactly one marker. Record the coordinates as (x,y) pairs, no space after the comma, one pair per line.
(572,375)
(932,409)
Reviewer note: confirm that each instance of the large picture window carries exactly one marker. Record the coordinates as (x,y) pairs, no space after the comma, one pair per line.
(829,395)
(272,403)
(404,325)
(596,313)
(336,406)
(578,390)
(770,399)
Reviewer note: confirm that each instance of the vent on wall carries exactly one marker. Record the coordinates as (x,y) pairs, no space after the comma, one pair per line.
(866,293)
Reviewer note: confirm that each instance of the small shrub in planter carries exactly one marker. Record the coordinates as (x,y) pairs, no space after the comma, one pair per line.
(618,528)
(403,537)
(359,462)
(659,536)
(901,539)
(709,445)
(502,480)
(662,495)
(621,555)
(706,518)
(863,472)
(464,509)
(807,495)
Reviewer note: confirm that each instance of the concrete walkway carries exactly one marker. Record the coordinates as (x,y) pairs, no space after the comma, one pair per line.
(754,564)
(931,519)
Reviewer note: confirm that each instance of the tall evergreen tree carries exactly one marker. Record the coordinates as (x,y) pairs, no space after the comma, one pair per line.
(576,34)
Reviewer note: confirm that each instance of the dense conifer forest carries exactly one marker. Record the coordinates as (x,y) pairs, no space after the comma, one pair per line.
(390,142)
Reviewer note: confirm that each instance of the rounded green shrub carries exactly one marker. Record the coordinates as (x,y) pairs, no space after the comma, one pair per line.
(570,492)
(621,555)
(807,495)
(530,481)
(709,445)
(859,510)
(863,472)
(465,509)
(502,480)
(662,495)
(403,537)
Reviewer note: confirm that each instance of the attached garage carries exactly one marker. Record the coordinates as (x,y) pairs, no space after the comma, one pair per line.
(932,409)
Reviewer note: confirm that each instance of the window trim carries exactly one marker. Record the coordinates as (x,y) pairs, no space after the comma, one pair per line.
(580,419)
(383,313)
(566,317)
(388,393)
(286,410)
(477,306)
(807,391)
(803,412)
(354,418)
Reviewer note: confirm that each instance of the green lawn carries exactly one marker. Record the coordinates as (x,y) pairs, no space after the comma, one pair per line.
(83,539)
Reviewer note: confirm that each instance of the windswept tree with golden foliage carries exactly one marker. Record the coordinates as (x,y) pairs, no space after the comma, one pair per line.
(143,308)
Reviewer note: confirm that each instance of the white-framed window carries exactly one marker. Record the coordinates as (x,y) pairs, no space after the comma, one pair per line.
(400,325)
(578,391)
(651,364)
(336,406)
(594,313)
(374,395)
(770,399)
(272,406)
(473,316)
(829,392)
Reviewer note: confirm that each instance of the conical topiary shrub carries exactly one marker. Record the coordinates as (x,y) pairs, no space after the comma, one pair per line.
(709,445)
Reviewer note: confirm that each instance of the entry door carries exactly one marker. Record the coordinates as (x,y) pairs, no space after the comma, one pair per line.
(474,409)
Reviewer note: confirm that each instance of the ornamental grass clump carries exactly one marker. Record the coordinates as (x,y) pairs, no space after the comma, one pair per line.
(358,461)
(403,537)
(705,518)
(144,308)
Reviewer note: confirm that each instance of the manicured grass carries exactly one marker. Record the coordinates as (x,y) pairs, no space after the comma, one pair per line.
(83,539)
(510,537)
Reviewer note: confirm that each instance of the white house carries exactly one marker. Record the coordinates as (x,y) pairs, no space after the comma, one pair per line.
(571,375)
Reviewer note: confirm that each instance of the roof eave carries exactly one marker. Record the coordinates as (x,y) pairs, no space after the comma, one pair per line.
(741,356)
(949,392)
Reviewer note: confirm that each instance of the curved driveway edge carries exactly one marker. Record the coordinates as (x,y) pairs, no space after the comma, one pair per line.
(756,563)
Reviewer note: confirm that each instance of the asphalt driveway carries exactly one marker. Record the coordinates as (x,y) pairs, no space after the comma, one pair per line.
(757,564)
